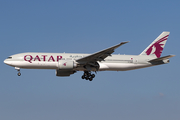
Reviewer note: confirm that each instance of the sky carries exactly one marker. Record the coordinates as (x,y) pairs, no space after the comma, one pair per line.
(87,27)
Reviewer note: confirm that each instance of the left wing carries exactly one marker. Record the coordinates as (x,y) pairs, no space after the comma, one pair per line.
(101,55)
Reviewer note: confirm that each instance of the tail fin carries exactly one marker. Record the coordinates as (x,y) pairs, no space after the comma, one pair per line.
(156,47)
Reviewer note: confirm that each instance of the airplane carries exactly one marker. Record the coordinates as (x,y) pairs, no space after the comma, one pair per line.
(66,64)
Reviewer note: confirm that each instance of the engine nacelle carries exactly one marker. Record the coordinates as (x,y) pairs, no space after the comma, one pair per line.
(66,65)
(64,73)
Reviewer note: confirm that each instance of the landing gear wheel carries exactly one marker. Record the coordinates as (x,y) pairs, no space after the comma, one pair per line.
(90,79)
(88,76)
(18,69)
(83,77)
(93,75)
(19,74)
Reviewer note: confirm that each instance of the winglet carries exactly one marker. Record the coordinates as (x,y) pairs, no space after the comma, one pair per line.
(122,43)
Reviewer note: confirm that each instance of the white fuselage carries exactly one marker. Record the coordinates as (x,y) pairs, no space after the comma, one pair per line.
(66,64)
(51,60)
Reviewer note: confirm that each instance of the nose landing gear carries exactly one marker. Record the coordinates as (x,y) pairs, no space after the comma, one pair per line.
(88,76)
(19,74)
(18,69)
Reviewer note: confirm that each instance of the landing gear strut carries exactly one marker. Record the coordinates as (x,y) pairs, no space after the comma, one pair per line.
(18,69)
(88,76)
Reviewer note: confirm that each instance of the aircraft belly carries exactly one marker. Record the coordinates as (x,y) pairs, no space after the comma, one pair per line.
(121,66)
(35,65)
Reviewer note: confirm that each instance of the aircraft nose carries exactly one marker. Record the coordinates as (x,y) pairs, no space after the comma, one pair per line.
(7,62)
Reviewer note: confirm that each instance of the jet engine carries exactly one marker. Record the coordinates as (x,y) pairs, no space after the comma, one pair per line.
(66,65)
(65,68)
(64,73)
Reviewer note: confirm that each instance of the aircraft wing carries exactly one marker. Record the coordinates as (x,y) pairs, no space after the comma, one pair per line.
(101,55)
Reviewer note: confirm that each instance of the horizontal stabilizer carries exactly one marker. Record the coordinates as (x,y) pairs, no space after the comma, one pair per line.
(161,58)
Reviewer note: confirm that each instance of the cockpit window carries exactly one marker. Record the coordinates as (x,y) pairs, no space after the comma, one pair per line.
(9,58)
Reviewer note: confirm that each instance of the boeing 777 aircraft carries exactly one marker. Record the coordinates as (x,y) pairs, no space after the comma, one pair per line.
(66,64)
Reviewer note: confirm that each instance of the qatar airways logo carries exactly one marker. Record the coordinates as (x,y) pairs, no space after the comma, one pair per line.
(157,47)
(65,64)
(30,58)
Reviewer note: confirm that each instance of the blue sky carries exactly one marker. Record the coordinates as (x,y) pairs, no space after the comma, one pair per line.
(87,27)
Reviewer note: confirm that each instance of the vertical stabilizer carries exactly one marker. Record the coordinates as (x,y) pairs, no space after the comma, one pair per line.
(156,47)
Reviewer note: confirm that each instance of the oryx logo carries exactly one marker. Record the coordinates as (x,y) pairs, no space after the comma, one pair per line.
(65,64)
(157,47)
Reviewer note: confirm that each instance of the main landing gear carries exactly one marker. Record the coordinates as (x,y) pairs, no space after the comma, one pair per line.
(18,69)
(88,76)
